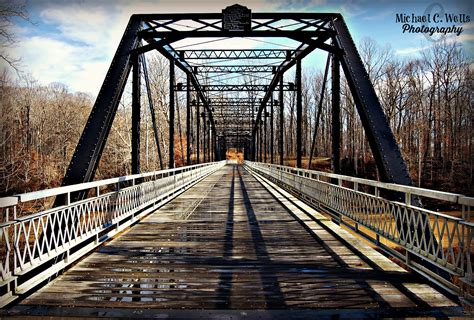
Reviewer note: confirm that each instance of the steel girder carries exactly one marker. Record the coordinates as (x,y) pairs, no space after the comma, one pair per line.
(237,54)
(235,87)
(313,30)
(303,50)
(390,163)
(387,155)
(234,69)
(261,21)
(168,51)
(232,112)
(89,149)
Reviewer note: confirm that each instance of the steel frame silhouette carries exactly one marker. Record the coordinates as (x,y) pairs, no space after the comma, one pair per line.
(324,31)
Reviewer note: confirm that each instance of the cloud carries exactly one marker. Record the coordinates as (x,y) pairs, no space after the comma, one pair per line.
(463,39)
(410,50)
(75,41)
(50,60)
(298,5)
(350,9)
(72,44)
(468,26)
(379,16)
(78,23)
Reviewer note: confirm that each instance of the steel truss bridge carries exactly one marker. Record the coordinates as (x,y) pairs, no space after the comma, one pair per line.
(225,240)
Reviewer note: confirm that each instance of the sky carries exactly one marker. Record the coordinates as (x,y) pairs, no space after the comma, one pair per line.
(73,41)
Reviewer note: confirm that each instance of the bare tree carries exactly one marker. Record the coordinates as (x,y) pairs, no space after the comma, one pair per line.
(10,10)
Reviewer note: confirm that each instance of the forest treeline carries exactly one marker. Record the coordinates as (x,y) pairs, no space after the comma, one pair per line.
(427,101)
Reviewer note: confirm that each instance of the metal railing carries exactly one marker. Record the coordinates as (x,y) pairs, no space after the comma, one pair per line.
(36,246)
(366,207)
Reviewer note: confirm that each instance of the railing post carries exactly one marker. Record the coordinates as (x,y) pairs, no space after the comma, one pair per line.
(15,237)
(407,198)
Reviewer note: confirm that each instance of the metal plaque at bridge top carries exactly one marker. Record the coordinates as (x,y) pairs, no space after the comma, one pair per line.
(237,18)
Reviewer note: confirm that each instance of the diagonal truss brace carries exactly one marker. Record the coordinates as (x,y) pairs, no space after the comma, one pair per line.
(302,51)
(169,52)
(85,159)
(384,147)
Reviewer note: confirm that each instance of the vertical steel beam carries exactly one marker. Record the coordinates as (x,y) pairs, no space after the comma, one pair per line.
(254,136)
(171,115)
(299,114)
(257,144)
(209,141)
(336,115)
(188,120)
(260,147)
(218,150)
(204,137)
(215,149)
(282,112)
(265,144)
(198,130)
(193,134)
(320,107)
(253,147)
(152,111)
(136,109)
(271,130)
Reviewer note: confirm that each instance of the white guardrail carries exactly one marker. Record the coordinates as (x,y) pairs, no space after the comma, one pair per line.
(36,246)
(442,240)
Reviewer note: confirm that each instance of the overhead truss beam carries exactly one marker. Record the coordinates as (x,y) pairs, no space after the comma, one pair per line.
(234,69)
(235,87)
(237,54)
(225,116)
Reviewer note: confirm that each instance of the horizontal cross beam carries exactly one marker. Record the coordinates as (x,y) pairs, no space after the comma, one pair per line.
(229,117)
(152,34)
(235,69)
(237,54)
(234,87)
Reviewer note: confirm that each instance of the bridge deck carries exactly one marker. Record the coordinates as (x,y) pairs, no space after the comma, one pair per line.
(227,243)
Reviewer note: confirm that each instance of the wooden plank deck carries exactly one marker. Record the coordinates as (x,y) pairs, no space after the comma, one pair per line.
(229,243)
